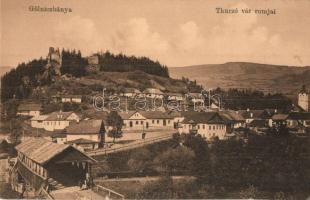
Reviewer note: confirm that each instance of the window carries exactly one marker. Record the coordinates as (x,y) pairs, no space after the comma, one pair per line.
(157,121)
(153,121)
(168,121)
(137,122)
(203,127)
(213,127)
(209,127)
(198,126)
(59,123)
(141,122)
(47,123)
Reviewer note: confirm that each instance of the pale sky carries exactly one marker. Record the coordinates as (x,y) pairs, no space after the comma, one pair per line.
(174,32)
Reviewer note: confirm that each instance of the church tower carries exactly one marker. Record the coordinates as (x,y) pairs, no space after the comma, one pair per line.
(303,98)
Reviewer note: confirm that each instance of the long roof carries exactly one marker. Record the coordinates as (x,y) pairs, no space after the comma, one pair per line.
(203,118)
(149,114)
(257,114)
(41,150)
(299,115)
(84,127)
(58,116)
(232,116)
(29,107)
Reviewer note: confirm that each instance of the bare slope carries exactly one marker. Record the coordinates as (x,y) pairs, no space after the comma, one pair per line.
(265,77)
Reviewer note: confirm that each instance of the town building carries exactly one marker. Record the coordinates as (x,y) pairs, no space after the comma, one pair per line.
(208,124)
(174,97)
(86,134)
(130,92)
(147,120)
(303,99)
(37,121)
(196,98)
(43,164)
(71,98)
(153,93)
(296,119)
(59,120)
(250,115)
(234,118)
(29,109)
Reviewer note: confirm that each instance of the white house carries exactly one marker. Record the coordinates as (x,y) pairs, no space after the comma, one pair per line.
(153,93)
(296,119)
(147,120)
(37,121)
(130,92)
(59,120)
(29,109)
(71,98)
(196,97)
(207,124)
(86,134)
(174,97)
(250,115)
(234,118)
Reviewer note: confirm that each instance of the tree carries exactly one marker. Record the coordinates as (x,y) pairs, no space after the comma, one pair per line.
(140,161)
(115,122)
(15,134)
(173,160)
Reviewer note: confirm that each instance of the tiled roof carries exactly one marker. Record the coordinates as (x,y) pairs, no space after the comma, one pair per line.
(58,116)
(258,123)
(232,116)
(81,141)
(203,118)
(84,127)
(279,117)
(29,107)
(257,114)
(299,115)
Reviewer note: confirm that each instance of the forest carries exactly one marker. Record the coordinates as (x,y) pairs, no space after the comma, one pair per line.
(122,63)
(19,82)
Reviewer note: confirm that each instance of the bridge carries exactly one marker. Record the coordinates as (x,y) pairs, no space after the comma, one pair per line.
(44,169)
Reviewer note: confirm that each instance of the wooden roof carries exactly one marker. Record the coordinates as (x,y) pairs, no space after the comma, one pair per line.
(42,151)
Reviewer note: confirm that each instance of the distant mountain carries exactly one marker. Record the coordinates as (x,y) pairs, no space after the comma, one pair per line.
(264,77)
(4,69)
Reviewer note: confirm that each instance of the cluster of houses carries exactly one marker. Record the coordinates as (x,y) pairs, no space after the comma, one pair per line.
(87,130)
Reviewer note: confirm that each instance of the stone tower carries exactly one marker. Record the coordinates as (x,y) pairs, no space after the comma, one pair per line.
(54,60)
(303,98)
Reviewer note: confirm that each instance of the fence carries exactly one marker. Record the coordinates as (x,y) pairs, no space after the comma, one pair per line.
(129,146)
(106,191)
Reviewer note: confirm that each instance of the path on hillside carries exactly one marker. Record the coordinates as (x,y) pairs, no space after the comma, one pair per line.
(132,145)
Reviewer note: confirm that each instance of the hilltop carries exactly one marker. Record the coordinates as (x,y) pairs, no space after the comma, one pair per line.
(68,72)
(265,77)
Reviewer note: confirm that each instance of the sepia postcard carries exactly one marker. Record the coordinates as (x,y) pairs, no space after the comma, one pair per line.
(165,99)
